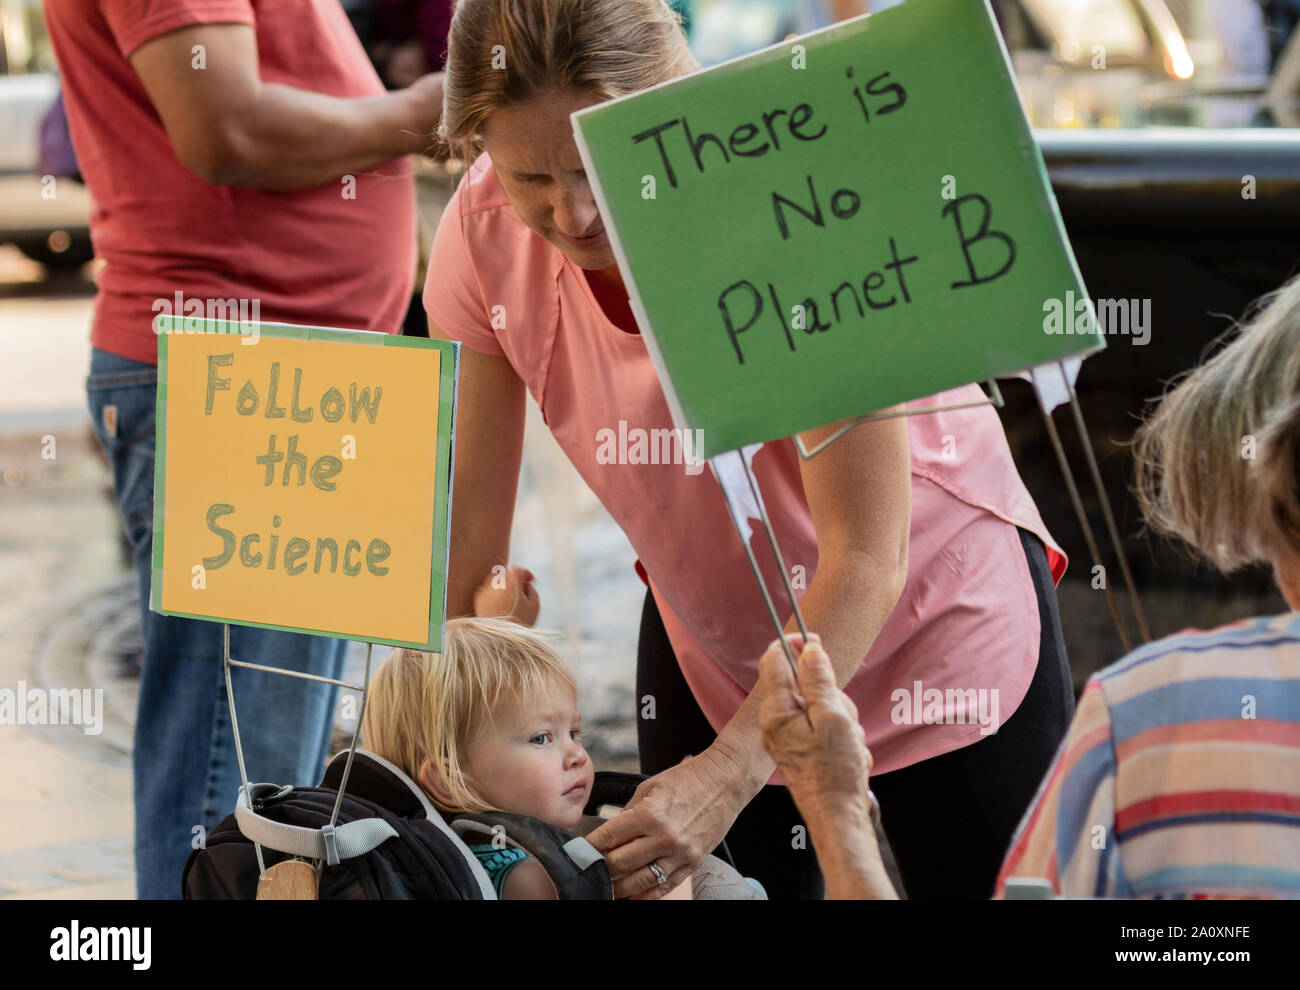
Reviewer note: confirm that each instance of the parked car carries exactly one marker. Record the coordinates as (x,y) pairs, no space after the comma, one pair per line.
(1057,47)
(48,220)
(1092,64)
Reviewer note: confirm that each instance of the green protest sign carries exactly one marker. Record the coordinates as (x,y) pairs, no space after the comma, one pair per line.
(836,224)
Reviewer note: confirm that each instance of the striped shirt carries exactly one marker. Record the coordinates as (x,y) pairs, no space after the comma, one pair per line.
(1180,776)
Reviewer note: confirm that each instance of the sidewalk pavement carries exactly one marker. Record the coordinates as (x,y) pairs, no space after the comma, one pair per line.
(65,815)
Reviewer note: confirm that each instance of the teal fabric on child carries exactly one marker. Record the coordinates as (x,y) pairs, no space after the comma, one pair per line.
(498,863)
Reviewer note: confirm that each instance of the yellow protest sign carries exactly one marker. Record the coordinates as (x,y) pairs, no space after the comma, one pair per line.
(303,479)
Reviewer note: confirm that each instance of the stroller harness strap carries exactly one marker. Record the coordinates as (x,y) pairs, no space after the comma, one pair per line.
(582,852)
(388,842)
(331,844)
(575,866)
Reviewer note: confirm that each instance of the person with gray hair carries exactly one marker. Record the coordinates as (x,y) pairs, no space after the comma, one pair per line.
(1180,776)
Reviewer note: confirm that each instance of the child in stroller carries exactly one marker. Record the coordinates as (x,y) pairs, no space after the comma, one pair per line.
(490,724)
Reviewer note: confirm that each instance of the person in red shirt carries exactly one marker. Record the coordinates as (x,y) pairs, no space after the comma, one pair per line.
(239,152)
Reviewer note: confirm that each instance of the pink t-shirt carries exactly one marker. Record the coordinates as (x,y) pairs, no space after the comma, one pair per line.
(967,617)
(337,255)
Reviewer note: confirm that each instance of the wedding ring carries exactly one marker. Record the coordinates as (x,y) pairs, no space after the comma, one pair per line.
(660,876)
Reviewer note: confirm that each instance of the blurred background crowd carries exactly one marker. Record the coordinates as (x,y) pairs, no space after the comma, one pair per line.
(1191,63)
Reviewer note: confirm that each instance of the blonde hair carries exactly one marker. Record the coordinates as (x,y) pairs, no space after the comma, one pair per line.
(504,53)
(1218,461)
(429,706)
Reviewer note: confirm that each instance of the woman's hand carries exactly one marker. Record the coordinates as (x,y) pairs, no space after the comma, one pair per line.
(811,729)
(404,64)
(508,593)
(675,819)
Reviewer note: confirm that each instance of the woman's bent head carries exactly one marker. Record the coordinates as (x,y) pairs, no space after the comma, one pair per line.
(507,53)
(1218,463)
(516,70)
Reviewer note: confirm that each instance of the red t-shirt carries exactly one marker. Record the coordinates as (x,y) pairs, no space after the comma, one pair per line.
(306,256)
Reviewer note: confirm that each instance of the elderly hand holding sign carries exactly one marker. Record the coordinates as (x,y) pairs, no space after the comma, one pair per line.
(811,729)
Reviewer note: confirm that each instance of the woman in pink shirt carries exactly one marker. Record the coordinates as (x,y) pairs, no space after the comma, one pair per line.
(922,561)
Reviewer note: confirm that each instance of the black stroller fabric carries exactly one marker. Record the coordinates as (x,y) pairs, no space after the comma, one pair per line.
(423,861)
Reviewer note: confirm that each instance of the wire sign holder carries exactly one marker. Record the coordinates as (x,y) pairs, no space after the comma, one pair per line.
(245,793)
(754,507)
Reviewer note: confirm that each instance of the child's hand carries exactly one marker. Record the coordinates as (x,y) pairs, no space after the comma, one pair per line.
(508,593)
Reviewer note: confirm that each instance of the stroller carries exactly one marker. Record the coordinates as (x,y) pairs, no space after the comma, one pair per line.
(369,832)
(389,842)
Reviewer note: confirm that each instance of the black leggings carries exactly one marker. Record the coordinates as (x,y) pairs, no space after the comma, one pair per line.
(949,819)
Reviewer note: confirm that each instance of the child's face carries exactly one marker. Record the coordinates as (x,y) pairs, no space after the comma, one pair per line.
(529,760)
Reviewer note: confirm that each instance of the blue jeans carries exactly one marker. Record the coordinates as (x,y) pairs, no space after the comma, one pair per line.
(186,774)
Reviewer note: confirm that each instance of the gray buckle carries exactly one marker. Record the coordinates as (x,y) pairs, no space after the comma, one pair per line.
(331,845)
(261,800)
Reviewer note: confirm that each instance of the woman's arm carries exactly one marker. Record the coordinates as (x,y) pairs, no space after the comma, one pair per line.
(859,492)
(847,853)
(489,445)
